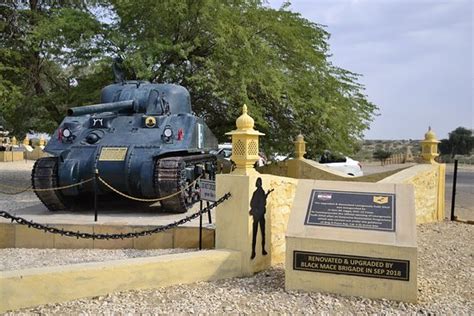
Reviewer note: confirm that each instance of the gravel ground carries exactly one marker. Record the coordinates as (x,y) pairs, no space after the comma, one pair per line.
(22,258)
(445,286)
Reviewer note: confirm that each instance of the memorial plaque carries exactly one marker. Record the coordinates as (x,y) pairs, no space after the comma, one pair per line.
(352,265)
(113,154)
(357,210)
(375,258)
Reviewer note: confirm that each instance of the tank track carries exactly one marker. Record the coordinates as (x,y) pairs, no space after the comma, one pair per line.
(170,177)
(45,176)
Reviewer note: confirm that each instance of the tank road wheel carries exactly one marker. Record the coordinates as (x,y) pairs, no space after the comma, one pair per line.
(45,176)
(171,176)
(168,179)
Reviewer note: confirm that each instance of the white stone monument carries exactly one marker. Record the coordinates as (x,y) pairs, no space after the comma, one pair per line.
(353,239)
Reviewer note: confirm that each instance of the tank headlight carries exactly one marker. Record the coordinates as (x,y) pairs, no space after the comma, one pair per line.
(66,133)
(168,132)
(150,121)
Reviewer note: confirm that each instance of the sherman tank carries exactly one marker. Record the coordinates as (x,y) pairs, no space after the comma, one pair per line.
(142,139)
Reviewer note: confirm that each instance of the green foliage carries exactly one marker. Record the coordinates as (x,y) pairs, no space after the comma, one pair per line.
(35,82)
(226,53)
(382,155)
(460,142)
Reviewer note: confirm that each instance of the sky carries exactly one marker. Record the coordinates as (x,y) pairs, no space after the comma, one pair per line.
(416,58)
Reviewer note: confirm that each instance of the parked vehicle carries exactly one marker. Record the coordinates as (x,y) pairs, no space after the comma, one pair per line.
(224,151)
(341,163)
(223,154)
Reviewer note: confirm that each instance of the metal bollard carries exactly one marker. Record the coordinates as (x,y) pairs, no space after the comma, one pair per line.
(200,225)
(96,187)
(453,197)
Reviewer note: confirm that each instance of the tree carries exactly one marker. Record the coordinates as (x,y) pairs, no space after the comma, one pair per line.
(35,89)
(382,155)
(460,142)
(226,53)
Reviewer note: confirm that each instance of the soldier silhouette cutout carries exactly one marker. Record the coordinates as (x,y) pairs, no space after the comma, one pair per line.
(258,205)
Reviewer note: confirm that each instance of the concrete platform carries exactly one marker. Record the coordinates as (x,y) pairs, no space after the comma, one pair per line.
(118,213)
(114,217)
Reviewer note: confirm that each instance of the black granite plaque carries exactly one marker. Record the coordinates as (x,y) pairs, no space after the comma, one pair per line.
(352,265)
(359,210)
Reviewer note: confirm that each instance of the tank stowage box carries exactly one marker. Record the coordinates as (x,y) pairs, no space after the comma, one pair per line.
(142,138)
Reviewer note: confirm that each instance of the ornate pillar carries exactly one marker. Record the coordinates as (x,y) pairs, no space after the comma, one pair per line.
(245,144)
(26,141)
(429,147)
(300,147)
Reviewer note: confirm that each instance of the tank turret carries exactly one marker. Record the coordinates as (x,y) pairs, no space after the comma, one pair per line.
(142,138)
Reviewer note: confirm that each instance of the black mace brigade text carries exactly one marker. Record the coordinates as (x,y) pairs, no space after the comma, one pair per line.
(352,265)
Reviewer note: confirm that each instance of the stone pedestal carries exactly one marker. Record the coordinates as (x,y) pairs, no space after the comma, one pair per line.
(6,156)
(234,224)
(353,239)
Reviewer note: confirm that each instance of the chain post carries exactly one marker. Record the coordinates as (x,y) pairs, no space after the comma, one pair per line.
(209,212)
(79,234)
(96,187)
(200,224)
(453,195)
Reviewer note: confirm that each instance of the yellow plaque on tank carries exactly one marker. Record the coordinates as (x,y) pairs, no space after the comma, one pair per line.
(113,154)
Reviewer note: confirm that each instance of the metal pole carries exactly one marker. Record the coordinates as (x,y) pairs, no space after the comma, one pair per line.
(96,180)
(453,197)
(200,225)
(209,212)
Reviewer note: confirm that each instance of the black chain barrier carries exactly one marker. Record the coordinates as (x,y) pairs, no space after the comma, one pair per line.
(78,235)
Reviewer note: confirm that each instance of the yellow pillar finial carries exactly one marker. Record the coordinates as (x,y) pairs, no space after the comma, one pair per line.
(245,144)
(429,147)
(14,141)
(300,147)
(41,140)
(26,141)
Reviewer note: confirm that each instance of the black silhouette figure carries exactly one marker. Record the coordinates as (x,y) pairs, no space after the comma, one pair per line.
(258,205)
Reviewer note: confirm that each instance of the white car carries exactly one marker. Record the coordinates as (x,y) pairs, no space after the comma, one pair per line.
(350,166)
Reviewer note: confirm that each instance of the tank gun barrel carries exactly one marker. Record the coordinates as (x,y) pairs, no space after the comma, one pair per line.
(101,107)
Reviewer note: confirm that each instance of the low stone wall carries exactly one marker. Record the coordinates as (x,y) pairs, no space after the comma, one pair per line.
(279,204)
(279,168)
(6,156)
(20,236)
(30,287)
(309,169)
(428,180)
(429,183)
